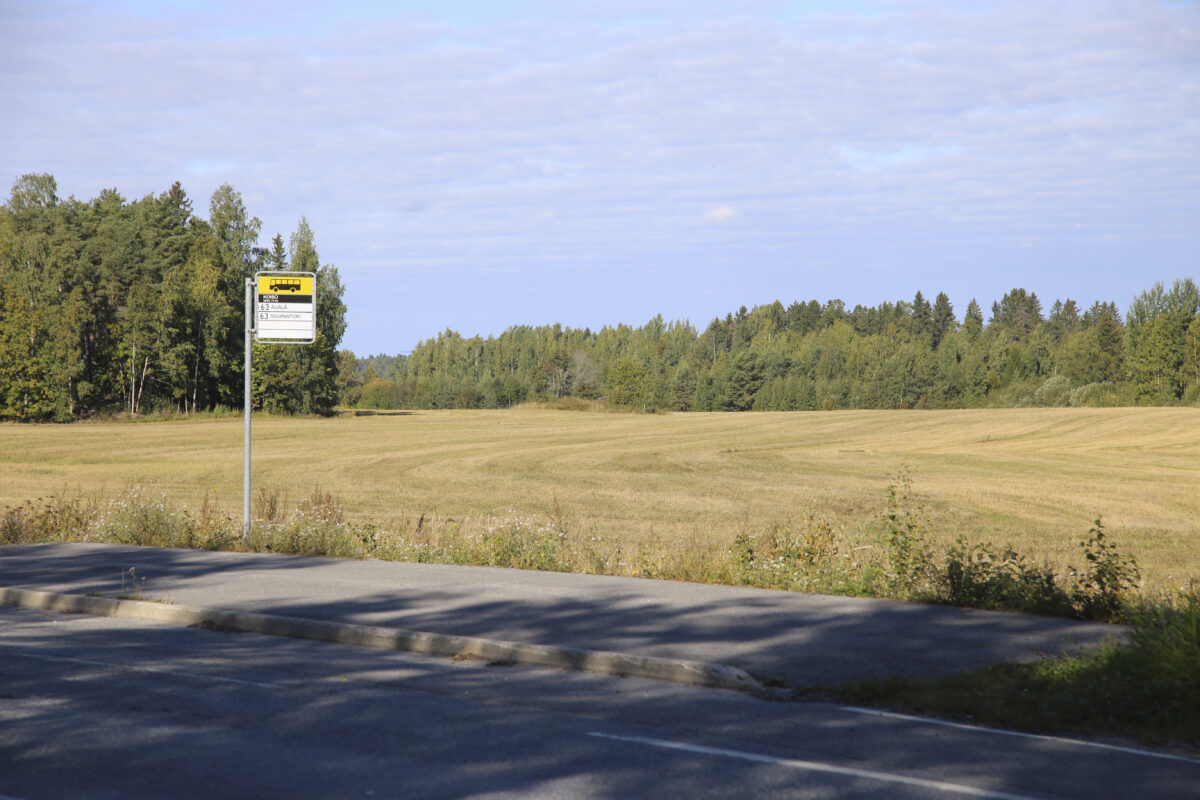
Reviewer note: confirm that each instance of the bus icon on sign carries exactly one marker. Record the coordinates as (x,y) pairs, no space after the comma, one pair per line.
(285,285)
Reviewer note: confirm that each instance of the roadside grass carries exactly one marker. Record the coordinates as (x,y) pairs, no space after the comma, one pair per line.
(809,552)
(1147,690)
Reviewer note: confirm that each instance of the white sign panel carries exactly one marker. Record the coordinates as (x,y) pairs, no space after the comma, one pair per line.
(285,307)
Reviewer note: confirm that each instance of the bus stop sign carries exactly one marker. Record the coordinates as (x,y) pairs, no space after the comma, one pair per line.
(285,307)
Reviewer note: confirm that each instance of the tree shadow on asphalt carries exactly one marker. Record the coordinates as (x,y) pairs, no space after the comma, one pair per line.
(190,713)
(798,641)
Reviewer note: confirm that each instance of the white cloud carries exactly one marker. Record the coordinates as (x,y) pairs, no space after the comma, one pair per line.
(719,214)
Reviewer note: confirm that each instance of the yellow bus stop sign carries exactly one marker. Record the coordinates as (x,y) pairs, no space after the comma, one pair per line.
(285,307)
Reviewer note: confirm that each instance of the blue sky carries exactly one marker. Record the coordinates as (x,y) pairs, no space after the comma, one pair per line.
(476,165)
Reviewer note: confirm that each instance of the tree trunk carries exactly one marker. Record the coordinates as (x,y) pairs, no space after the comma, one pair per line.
(141,389)
(132,374)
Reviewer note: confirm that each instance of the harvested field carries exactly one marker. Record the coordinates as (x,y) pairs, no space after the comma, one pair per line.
(1031,478)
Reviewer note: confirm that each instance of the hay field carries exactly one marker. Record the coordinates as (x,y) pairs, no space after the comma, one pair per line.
(1032,478)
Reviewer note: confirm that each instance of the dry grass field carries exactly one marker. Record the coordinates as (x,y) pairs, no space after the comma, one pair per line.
(1031,478)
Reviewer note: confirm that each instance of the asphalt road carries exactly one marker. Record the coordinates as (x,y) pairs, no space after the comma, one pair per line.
(96,707)
(794,639)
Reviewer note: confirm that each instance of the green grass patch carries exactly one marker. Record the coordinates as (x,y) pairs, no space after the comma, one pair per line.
(1148,690)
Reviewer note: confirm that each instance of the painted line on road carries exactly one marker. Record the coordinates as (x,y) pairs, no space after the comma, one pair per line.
(156,670)
(818,766)
(873,712)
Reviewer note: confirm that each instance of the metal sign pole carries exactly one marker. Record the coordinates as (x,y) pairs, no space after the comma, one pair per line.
(281,308)
(246,412)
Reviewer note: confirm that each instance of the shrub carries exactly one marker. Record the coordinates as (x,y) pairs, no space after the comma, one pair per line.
(811,554)
(1096,395)
(61,518)
(318,527)
(1165,646)
(137,517)
(1101,590)
(911,572)
(977,576)
(1054,392)
(982,576)
(520,541)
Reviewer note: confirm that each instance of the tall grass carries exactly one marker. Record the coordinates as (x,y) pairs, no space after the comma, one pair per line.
(809,552)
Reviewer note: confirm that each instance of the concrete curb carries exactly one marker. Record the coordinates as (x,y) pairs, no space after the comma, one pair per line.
(692,673)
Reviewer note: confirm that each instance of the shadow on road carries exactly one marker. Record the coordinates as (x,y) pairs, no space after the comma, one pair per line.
(799,640)
(317,725)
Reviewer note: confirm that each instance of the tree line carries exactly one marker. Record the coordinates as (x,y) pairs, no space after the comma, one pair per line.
(813,355)
(115,306)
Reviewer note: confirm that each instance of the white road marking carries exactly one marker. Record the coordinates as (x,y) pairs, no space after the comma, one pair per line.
(157,670)
(1001,732)
(817,766)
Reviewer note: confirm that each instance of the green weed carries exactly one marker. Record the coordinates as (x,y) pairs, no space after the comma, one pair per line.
(1101,590)
(980,575)
(910,572)
(1148,688)
(59,518)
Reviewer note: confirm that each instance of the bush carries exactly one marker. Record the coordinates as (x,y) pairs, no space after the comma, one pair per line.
(136,517)
(317,527)
(1165,639)
(379,394)
(981,576)
(976,576)
(58,519)
(811,555)
(1101,591)
(525,543)
(911,573)
(1054,392)
(1095,395)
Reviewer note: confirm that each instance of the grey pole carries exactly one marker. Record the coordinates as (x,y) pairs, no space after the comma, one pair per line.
(246,413)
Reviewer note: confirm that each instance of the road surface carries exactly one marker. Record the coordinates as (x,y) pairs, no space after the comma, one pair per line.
(94,707)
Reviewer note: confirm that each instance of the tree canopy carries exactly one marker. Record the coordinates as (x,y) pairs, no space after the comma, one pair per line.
(112,305)
(814,355)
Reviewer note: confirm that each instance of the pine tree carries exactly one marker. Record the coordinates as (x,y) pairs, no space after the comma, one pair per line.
(943,318)
(922,316)
(973,321)
(1018,313)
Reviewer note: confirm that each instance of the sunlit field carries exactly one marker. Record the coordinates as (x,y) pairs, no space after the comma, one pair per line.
(1031,478)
